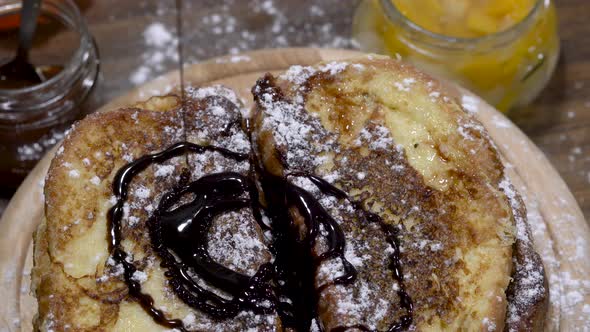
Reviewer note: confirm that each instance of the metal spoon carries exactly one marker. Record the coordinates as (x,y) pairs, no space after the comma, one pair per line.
(19,72)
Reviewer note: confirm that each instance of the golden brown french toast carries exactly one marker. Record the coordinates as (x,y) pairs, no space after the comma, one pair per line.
(404,151)
(79,285)
(360,196)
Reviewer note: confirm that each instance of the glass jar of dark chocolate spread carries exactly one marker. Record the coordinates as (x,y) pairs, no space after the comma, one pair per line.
(33,118)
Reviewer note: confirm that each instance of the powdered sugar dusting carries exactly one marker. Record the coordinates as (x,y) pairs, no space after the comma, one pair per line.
(112,270)
(234,59)
(356,306)
(299,74)
(160,42)
(567,289)
(465,128)
(378,139)
(234,244)
(95,180)
(529,287)
(218,123)
(164,170)
(213,90)
(501,122)
(470,103)
(405,85)
(489,325)
(292,126)
(139,276)
(285,121)
(230,24)
(280,25)
(218,90)
(35,150)
(142,192)
(363,302)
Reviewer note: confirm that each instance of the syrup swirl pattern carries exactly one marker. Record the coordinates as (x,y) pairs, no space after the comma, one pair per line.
(178,232)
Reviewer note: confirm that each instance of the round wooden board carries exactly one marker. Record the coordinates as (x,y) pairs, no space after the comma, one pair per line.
(561,234)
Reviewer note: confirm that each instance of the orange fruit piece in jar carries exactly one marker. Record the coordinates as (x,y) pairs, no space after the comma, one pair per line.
(465,18)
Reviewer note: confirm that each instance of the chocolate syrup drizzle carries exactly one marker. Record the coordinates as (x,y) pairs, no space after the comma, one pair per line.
(120,189)
(337,243)
(178,231)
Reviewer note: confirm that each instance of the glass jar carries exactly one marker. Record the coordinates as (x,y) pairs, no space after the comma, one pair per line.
(34,118)
(508,68)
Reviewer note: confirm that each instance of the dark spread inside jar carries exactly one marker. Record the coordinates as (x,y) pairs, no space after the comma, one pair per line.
(42,95)
(17,79)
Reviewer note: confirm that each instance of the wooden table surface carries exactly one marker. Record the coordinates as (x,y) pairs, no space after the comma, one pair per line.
(559,121)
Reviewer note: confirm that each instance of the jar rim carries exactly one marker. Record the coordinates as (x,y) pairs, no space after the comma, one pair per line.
(72,64)
(394,15)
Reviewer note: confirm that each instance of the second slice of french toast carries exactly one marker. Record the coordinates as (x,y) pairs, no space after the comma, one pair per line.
(428,226)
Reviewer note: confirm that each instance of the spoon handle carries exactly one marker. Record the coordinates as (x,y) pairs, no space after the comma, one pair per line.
(28,23)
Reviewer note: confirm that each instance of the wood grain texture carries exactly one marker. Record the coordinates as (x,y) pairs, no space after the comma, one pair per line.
(561,234)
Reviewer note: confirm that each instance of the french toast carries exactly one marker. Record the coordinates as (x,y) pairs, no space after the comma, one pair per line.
(79,286)
(402,148)
(359,196)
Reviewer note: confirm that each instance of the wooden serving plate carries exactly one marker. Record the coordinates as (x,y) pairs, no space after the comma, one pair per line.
(561,234)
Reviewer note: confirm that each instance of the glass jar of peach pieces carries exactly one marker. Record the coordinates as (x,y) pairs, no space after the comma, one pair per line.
(503,50)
